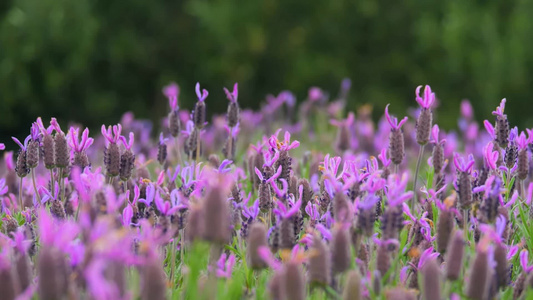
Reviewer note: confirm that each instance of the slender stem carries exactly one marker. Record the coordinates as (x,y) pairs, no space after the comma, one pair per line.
(63,185)
(178,150)
(465,223)
(52,180)
(173,265)
(34,185)
(523,186)
(197,147)
(20,194)
(420,154)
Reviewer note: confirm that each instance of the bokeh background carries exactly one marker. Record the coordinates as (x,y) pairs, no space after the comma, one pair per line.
(92,60)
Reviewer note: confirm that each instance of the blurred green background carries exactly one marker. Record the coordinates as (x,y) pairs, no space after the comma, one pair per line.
(92,60)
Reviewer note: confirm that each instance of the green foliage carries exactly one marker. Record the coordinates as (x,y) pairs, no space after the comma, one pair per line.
(89,60)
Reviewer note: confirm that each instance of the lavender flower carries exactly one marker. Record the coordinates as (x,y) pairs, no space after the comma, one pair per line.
(396,139)
(425,119)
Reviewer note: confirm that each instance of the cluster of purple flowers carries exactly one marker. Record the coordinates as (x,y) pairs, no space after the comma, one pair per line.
(322,212)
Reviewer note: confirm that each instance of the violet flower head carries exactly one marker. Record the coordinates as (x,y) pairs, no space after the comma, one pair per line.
(427,255)
(150,195)
(21,145)
(3,187)
(393,121)
(35,132)
(162,139)
(55,125)
(165,207)
(316,94)
(284,212)
(47,195)
(75,144)
(284,145)
(232,97)
(232,131)
(395,189)
(225,266)
(312,211)
(435,135)
(490,157)
(383,157)
(2,146)
(490,129)
(251,212)
(524,261)
(112,134)
(522,142)
(499,110)
(467,111)
(270,159)
(346,122)
(462,165)
(44,130)
(202,95)
(428,98)
(128,144)
(172,92)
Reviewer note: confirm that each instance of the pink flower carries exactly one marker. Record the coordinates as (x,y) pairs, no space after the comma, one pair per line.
(463,166)
(435,135)
(172,92)
(201,95)
(75,144)
(129,144)
(232,97)
(225,266)
(499,110)
(112,134)
(428,99)
(491,157)
(393,121)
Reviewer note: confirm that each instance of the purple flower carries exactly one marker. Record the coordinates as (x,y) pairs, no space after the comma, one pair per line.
(395,189)
(35,132)
(22,146)
(268,180)
(162,139)
(251,212)
(150,195)
(524,261)
(112,134)
(435,136)
(490,129)
(499,110)
(2,146)
(466,110)
(172,92)
(427,255)
(428,99)
(3,187)
(79,146)
(55,125)
(232,131)
(463,166)
(384,159)
(270,159)
(201,95)
(127,144)
(490,157)
(165,207)
(47,195)
(43,129)
(346,122)
(312,211)
(225,266)
(233,95)
(284,212)
(393,121)
(316,94)
(286,145)
(522,142)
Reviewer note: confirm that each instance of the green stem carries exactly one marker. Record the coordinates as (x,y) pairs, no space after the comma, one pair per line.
(20,195)
(34,185)
(173,266)
(420,154)
(52,180)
